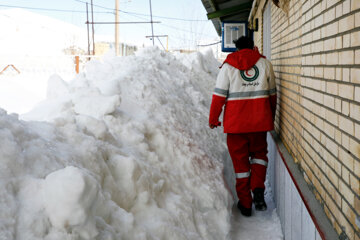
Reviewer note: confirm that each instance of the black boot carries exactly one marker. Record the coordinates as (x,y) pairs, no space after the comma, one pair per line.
(259,200)
(244,211)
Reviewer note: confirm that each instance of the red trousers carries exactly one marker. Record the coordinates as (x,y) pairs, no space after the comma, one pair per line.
(248,153)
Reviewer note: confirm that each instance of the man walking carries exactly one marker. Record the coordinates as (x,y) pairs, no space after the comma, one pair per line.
(246,86)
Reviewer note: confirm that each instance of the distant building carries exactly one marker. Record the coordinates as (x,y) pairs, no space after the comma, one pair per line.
(74,50)
(124,50)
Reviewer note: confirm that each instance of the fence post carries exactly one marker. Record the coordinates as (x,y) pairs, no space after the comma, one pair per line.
(77,64)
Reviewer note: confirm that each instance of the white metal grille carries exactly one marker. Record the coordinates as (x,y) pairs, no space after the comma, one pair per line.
(232,32)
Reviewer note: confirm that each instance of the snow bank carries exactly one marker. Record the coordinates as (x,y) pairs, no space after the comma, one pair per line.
(70,196)
(125,153)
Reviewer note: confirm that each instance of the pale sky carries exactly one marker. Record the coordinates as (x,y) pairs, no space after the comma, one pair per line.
(187,33)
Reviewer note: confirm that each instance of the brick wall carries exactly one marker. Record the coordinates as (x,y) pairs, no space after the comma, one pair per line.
(315,50)
(258,34)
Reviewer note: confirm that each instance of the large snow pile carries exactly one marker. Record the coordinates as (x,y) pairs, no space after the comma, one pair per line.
(125,153)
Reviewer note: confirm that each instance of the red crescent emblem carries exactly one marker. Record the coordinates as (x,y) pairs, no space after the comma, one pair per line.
(247,74)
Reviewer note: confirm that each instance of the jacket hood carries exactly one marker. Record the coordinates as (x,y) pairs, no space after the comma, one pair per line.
(243,59)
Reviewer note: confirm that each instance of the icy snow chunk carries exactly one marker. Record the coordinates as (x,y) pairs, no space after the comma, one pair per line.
(50,110)
(2,111)
(125,170)
(57,87)
(31,211)
(96,106)
(70,195)
(108,88)
(8,208)
(92,126)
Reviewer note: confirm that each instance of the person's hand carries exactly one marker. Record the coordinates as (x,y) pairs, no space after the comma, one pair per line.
(212,126)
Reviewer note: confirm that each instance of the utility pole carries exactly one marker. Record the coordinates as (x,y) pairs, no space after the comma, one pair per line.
(87,21)
(116,27)
(167,43)
(152,29)
(92,17)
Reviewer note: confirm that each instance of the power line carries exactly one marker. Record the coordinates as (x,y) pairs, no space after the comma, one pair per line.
(49,9)
(137,15)
(147,15)
(210,44)
(77,11)
(87,22)
(184,39)
(170,39)
(96,5)
(169,26)
(171,18)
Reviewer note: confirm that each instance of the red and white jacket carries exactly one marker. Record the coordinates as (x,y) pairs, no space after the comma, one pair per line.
(246,85)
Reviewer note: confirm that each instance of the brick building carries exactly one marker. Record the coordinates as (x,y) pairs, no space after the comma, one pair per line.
(315,50)
(314,46)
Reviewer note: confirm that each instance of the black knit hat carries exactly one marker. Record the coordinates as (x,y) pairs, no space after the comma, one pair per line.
(244,42)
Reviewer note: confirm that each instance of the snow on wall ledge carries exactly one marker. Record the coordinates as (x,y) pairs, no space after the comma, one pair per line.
(121,152)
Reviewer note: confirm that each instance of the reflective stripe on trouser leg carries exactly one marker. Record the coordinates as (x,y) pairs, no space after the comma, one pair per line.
(259,161)
(258,150)
(242,175)
(238,146)
(243,188)
(258,173)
